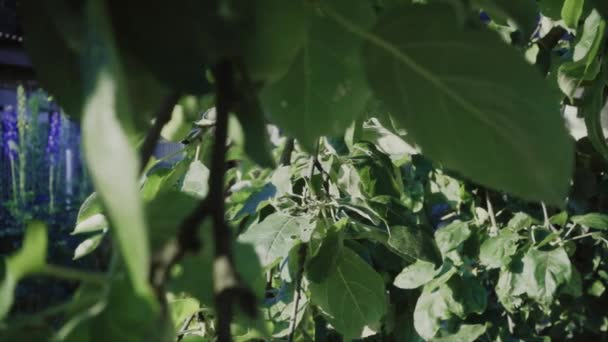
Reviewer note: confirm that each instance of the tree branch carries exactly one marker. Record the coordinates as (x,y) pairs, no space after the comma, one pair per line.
(287,151)
(162,117)
(227,284)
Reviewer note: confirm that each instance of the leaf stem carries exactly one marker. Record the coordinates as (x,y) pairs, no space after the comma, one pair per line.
(494,228)
(73,274)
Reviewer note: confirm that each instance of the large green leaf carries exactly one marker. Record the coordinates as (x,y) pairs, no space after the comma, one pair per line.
(551,8)
(192,36)
(469,101)
(57,63)
(353,297)
(545,272)
(274,237)
(271,51)
(325,88)
(29,259)
(112,162)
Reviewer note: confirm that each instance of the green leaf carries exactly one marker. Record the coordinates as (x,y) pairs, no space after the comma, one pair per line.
(252,124)
(551,8)
(545,272)
(95,223)
(323,91)
(324,262)
(452,236)
(181,309)
(56,60)
(87,246)
(281,312)
(416,243)
(480,110)
(593,102)
(165,213)
(464,295)
(497,251)
(431,310)
(178,127)
(194,275)
(192,36)
(415,275)
(585,65)
(523,12)
(90,207)
(591,220)
(521,221)
(465,332)
(196,180)
(377,174)
(112,162)
(274,237)
(270,52)
(353,297)
(559,219)
(31,258)
(572,11)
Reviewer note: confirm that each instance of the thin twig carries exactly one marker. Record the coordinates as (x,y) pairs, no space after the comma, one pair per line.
(294,316)
(184,330)
(547,222)
(162,117)
(494,228)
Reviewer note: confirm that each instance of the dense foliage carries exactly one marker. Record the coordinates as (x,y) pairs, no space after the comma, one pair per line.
(418,181)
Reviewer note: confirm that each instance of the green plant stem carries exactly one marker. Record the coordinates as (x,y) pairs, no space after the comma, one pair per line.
(51,189)
(14,180)
(294,316)
(494,228)
(583,236)
(62,272)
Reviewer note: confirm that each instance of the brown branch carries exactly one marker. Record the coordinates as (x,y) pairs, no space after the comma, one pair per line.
(227,284)
(162,117)
(550,40)
(287,151)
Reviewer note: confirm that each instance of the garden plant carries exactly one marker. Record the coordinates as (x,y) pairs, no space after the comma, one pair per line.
(374,170)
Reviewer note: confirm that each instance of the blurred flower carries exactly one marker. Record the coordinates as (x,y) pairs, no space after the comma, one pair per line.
(10,134)
(52,145)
